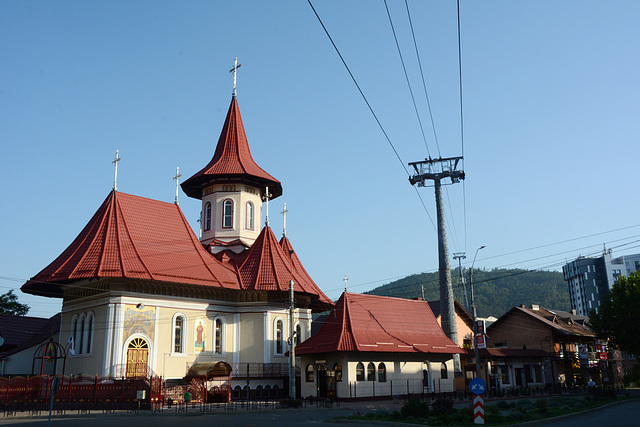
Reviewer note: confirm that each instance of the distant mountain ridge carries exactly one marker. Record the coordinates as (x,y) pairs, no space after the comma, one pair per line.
(496,291)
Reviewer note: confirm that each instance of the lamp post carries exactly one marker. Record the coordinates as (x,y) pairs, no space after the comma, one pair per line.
(473,307)
(292,342)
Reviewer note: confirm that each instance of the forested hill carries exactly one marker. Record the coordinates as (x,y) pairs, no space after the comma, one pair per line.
(496,291)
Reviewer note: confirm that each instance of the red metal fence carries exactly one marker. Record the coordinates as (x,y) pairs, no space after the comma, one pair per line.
(80,391)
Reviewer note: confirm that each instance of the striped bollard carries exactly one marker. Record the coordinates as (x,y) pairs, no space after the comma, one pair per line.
(478,409)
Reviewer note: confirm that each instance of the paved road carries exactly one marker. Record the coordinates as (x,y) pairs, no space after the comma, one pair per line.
(618,415)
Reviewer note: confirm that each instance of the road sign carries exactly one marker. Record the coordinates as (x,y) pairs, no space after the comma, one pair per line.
(478,409)
(478,386)
(480,342)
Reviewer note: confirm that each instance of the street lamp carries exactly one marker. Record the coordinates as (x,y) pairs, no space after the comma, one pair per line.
(473,307)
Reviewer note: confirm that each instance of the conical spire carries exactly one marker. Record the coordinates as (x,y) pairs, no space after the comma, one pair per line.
(232,161)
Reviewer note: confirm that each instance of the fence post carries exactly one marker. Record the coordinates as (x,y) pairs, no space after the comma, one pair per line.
(26,390)
(95,390)
(6,400)
(407,388)
(69,392)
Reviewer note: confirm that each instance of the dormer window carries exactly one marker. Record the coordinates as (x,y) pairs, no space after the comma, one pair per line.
(227,214)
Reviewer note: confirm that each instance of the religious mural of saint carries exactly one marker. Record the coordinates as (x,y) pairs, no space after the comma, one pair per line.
(200,335)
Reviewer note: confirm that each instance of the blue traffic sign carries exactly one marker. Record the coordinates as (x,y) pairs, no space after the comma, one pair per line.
(478,386)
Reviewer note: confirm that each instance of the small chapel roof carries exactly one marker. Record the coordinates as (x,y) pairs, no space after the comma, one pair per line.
(138,238)
(232,161)
(267,266)
(372,323)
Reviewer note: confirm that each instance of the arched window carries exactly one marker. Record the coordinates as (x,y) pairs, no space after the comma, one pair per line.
(237,390)
(309,373)
(279,336)
(207,216)
(80,334)
(259,391)
(227,214)
(443,371)
(179,323)
(382,373)
(359,372)
(338,369)
(74,333)
(267,391)
(371,372)
(298,334)
(218,336)
(275,391)
(249,217)
(88,333)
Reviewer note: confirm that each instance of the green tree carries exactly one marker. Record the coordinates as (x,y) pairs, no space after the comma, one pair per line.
(619,316)
(9,305)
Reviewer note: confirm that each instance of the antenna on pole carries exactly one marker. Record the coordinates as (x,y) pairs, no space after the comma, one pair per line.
(115,176)
(436,170)
(177,180)
(460,256)
(284,214)
(234,70)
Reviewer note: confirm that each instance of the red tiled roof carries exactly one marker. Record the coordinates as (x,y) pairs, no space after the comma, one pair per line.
(268,267)
(21,332)
(510,353)
(232,161)
(138,238)
(301,275)
(374,323)
(559,321)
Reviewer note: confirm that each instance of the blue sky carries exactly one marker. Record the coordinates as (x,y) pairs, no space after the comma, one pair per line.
(551,111)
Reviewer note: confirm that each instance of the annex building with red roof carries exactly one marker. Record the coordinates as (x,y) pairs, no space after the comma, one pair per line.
(372,346)
(143,294)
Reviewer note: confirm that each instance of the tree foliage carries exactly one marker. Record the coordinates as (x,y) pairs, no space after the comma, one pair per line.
(619,315)
(9,305)
(496,291)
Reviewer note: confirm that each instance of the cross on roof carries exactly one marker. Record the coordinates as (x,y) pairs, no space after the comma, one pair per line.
(234,70)
(284,214)
(115,177)
(177,180)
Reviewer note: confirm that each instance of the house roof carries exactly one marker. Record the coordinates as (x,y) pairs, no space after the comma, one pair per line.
(22,332)
(559,321)
(232,161)
(137,238)
(268,267)
(371,323)
(510,353)
(459,308)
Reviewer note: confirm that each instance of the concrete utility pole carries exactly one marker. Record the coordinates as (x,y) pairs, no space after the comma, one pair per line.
(475,316)
(436,170)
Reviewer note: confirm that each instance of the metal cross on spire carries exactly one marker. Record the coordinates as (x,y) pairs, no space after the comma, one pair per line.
(346,279)
(234,70)
(177,180)
(115,176)
(284,214)
(266,197)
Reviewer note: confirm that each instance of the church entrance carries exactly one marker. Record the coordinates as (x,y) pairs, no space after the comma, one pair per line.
(137,358)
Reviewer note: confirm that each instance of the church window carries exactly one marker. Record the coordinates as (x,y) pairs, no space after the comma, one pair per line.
(249,219)
(74,331)
(382,373)
(359,372)
(218,336)
(80,335)
(371,372)
(443,371)
(298,334)
(279,332)
(179,322)
(309,373)
(88,333)
(227,213)
(207,216)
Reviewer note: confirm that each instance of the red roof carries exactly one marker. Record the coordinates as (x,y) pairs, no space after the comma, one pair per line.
(137,238)
(267,266)
(21,332)
(232,161)
(374,323)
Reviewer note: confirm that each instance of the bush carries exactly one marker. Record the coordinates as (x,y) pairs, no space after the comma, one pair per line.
(542,405)
(415,408)
(442,406)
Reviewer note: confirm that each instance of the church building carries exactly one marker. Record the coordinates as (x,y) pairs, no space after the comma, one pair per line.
(142,294)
